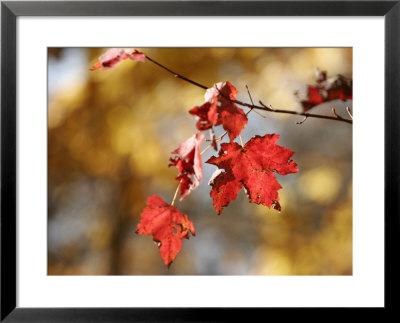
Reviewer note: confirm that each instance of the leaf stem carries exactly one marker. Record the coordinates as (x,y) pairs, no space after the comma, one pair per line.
(241,140)
(176,194)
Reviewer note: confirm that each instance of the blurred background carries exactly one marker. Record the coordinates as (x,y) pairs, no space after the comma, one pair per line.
(110,134)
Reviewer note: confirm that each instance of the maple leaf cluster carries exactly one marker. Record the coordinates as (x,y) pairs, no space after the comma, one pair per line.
(252,166)
(336,87)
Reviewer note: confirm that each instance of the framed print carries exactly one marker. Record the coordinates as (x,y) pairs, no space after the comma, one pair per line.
(197,160)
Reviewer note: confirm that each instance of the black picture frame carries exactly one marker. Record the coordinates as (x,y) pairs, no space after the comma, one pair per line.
(10,10)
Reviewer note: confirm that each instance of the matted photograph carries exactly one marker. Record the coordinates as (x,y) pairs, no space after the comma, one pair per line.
(241,152)
(200,161)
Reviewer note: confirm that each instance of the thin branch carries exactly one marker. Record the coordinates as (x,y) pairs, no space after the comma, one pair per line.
(251,100)
(176,74)
(252,106)
(336,115)
(302,121)
(248,92)
(349,112)
(305,114)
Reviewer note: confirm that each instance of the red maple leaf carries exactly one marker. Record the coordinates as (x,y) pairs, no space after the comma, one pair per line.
(188,162)
(114,56)
(251,167)
(327,89)
(219,108)
(167,225)
(207,113)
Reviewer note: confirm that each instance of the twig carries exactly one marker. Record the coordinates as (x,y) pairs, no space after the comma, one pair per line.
(349,112)
(251,100)
(305,114)
(302,121)
(176,74)
(336,115)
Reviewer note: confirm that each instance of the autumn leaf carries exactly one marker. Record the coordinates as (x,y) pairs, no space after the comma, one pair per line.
(327,89)
(167,225)
(252,167)
(188,163)
(219,109)
(114,56)
(207,113)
